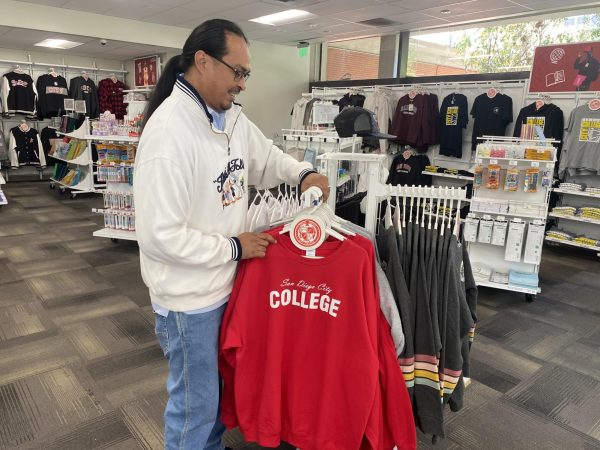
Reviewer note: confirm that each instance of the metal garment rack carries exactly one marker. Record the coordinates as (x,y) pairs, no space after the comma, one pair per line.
(31,67)
(518,202)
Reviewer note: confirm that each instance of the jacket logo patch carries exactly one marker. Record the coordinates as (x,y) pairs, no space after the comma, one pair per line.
(230,183)
(19,83)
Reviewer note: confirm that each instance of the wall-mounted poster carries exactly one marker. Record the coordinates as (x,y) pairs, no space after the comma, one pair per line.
(146,71)
(566,68)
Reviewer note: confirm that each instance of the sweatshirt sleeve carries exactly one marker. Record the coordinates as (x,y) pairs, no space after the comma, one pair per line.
(162,204)
(12,151)
(519,123)
(41,155)
(5,90)
(269,166)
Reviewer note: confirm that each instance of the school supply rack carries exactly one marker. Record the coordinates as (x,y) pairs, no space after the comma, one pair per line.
(505,228)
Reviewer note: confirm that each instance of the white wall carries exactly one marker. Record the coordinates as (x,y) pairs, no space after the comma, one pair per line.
(279,76)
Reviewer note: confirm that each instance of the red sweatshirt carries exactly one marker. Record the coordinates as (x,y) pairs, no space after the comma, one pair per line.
(306,355)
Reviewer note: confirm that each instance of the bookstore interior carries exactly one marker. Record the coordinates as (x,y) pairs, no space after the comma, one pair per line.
(447,150)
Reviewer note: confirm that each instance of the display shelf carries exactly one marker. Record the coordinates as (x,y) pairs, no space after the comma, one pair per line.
(530,162)
(508,287)
(79,161)
(74,187)
(526,216)
(116,139)
(136,102)
(575,218)
(572,243)
(447,175)
(580,193)
(115,234)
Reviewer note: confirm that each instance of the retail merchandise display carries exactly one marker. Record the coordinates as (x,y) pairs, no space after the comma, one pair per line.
(491,112)
(19,94)
(382,103)
(110,97)
(582,142)
(511,179)
(109,125)
(415,121)
(454,117)
(547,116)
(67,149)
(84,88)
(407,169)
(52,91)
(25,147)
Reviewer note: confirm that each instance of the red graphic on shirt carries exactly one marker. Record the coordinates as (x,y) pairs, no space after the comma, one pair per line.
(307,232)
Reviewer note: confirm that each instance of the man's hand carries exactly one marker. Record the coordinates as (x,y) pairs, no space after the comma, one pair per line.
(318,180)
(254,245)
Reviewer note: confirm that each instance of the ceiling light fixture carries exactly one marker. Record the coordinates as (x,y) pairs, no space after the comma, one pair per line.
(62,44)
(283,17)
(445,12)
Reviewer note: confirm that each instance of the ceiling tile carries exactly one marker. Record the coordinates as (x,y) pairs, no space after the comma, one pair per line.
(93,6)
(331,7)
(45,2)
(235,9)
(169,3)
(494,13)
(371,12)
(409,17)
(135,9)
(418,5)
(174,16)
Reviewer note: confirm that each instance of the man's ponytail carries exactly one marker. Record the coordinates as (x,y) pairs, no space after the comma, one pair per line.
(209,36)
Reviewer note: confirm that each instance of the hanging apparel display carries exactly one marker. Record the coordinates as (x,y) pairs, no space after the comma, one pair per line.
(415,121)
(582,142)
(298,114)
(454,117)
(407,169)
(18,94)
(549,117)
(423,264)
(25,147)
(491,115)
(351,100)
(47,135)
(82,88)
(329,377)
(110,97)
(52,91)
(382,104)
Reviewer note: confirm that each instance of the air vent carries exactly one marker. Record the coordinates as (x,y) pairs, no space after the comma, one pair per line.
(379,22)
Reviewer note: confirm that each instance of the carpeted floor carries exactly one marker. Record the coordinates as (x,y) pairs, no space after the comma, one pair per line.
(80,367)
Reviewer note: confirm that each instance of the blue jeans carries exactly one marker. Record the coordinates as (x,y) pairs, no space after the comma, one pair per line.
(190,344)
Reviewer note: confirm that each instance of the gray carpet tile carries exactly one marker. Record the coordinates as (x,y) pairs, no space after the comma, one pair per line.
(80,367)
(564,395)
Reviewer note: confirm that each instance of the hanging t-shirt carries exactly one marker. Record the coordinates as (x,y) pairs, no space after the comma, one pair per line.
(82,89)
(52,91)
(491,115)
(47,136)
(415,121)
(407,169)
(454,117)
(549,117)
(582,143)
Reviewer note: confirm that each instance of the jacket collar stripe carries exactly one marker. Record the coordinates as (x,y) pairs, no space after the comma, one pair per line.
(189,90)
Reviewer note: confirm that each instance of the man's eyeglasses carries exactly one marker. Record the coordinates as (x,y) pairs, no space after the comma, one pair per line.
(238,74)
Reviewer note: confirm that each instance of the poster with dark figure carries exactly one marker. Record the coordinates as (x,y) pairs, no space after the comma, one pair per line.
(587,67)
(566,68)
(146,71)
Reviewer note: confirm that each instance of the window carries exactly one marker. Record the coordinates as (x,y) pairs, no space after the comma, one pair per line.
(494,49)
(356,59)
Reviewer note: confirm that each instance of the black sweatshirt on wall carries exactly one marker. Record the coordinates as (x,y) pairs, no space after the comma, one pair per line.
(550,117)
(82,89)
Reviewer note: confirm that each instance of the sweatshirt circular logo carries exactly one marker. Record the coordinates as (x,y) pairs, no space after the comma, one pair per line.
(307,233)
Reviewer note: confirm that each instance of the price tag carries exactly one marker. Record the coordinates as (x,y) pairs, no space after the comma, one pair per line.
(493,161)
(535,164)
(513,163)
